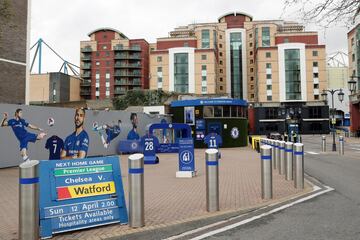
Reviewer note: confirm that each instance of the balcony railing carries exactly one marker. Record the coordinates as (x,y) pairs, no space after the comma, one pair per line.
(85,84)
(86,75)
(122,48)
(86,66)
(86,58)
(127,56)
(126,74)
(129,65)
(120,82)
(86,49)
(119,91)
(85,92)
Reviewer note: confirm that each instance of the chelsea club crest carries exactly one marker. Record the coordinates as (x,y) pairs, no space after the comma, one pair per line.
(234,132)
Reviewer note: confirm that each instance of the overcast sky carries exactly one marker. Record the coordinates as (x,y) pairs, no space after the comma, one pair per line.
(63,24)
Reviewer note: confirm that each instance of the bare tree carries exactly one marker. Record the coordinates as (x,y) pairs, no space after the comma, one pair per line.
(325,12)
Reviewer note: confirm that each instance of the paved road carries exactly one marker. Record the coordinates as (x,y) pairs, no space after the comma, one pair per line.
(335,215)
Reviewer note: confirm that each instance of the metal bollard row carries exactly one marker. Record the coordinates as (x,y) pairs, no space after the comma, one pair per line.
(341,143)
(299,165)
(282,160)
(323,144)
(289,161)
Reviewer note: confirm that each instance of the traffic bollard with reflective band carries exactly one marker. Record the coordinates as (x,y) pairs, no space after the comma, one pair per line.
(266,173)
(282,161)
(212,180)
(299,165)
(136,190)
(341,143)
(29,200)
(272,144)
(277,154)
(323,144)
(289,161)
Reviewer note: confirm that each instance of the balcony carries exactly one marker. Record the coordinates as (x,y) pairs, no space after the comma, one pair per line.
(129,65)
(119,91)
(86,66)
(127,56)
(126,74)
(85,84)
(122,48)
(86,57)
(86,75)
(86,49)
(85,92)
(120,82)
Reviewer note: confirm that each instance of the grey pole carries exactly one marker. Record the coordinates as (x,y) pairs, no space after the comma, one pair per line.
(266,173)
(212,180)
(136,190)
(277,154)
(273,157)
(29,200)
(323,144)
(282,165)
(341,143)
(289,161)
(299,165)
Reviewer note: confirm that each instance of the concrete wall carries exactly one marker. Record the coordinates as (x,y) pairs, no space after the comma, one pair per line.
(64,126)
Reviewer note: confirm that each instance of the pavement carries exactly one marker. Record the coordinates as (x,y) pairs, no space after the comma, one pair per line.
(334,215)
(170,201)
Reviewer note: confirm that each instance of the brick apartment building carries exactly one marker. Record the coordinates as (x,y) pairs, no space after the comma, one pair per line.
(112,64)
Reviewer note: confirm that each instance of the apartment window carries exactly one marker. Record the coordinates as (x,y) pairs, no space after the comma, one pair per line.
(251,70)
(316,86)
(315,75)
(269,98)
(268,76)
(252,87)
(107,75)
(268,65)
(353,57)
(203,89)
(97,76)
(250,44)
(221,88)
(97,63)
(203,78)
(107,54)
(221,62)
(107,63)
(203,67)
(292,74)
(220,45)
(252,78)
(203,57)
(268,54)
(252,95)
(315,64)
(221,71)
(220,54)
(220,36)
(250,35)
(268,87)
(159,59)
(352,41)
(316,97)
(315,53)
(251,53)
(251,61)
(181,73)
(221,79)
(104,47)
(265,37)
(205,38)
(97,54)
(159,69)
(286,40)
(186,44)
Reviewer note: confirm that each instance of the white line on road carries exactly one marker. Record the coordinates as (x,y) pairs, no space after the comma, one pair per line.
(358,149)
(314,153)
(217,231)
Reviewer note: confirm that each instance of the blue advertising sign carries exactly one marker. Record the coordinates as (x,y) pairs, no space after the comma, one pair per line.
(200,124)
(80,193)
(149,145)
(186,155)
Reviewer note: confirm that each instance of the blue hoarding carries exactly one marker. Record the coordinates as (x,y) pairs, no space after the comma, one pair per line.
(81,193)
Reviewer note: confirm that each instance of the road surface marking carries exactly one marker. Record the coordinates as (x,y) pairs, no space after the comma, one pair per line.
(314,153)
(226,228)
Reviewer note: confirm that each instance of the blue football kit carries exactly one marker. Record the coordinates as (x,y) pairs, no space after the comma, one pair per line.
(74,144)
(149,144)
(133,135)
(54,144)
(24,137)
(112,132)
(213,141)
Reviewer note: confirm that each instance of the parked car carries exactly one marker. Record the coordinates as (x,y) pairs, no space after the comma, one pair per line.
(275,136)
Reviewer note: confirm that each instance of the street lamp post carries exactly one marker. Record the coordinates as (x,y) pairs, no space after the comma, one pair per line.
(341,98)
(352,83)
